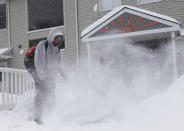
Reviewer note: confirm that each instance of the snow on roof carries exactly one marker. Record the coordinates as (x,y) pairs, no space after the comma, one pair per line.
(4,50)
(4,53)
(116,10)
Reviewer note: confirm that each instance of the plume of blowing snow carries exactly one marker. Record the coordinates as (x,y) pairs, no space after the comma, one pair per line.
(129,88)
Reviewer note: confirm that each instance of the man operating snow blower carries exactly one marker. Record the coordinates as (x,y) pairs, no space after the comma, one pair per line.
(43,62)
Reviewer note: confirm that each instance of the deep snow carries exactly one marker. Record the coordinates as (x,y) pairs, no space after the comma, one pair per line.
(133,92)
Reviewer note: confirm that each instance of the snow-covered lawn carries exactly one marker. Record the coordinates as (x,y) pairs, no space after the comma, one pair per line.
(83,109)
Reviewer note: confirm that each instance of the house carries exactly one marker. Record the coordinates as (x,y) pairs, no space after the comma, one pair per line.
(24,23)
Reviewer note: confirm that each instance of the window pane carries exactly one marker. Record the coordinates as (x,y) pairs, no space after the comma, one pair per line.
(104,5)
(45,14)
(2,16)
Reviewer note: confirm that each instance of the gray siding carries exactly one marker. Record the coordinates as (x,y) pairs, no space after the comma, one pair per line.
(18,31)
(70,55)
(4,38)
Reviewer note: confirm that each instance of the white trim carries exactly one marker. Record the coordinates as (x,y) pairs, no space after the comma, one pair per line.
(3,87)
(63,26)
(63,50)
(9,96)
(103,24)
(136,13)
(5,29)
(139,33)
(139,2)
(182,32)
(46,29)
(175,71)
(104,18)
(99,5)
(154,18)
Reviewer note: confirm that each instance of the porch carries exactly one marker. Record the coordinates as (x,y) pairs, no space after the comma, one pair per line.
(135,24)
(15,85)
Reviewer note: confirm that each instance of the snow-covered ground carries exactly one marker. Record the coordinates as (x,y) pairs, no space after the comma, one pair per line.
(163,111)
(134,93)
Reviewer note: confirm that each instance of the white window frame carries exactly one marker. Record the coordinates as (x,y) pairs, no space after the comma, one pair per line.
(40,39)
(99,6)
(139,2)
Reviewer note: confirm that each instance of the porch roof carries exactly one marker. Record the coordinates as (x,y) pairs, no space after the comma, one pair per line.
(126,21)
(4,53)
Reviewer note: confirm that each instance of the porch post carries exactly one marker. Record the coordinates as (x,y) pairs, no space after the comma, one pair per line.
(174,55)
(89,59)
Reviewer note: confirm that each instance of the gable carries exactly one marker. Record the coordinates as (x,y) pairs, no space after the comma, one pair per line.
(128,21)
(5,53)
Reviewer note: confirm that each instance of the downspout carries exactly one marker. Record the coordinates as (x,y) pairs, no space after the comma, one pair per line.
(77,33)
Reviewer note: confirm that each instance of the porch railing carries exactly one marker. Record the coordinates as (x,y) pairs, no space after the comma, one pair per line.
(15,85)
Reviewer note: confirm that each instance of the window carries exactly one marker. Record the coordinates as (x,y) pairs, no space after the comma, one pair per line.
(45,13)
(108,5)
(146,1)
(2,14)
(36,41)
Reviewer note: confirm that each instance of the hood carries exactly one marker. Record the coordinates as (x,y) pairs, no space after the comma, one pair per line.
(52,34)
